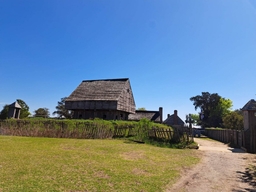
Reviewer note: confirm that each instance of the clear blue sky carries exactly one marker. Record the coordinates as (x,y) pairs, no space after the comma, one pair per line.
(170,49)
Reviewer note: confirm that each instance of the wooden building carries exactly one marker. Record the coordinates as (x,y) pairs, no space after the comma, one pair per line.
(156,116)
(174,120)
(14,110)
(109,99)
(249,111)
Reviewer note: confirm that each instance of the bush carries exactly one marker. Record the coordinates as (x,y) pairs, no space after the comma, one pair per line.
(233,121)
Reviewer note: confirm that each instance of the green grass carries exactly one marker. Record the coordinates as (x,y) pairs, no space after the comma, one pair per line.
(49,164)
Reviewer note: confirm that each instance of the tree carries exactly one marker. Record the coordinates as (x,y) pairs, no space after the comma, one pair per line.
(61,111)
(4,112)
(233,120)
(42,112)
(24,111)
(142,109)
(195,117)
(213,107)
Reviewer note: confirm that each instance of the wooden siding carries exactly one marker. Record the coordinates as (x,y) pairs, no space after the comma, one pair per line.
(102,114)
(91,105)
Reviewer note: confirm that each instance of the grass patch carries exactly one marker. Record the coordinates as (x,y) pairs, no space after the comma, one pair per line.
(50,164)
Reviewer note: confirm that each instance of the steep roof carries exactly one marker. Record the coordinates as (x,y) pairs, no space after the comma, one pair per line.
(105,89)
(171,121)
(174,119)
(139,114)
(250,106)
(15,105)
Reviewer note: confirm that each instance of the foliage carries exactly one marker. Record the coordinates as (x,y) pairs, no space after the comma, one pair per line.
(42,112)
(142,128)
(195,117)
(233,120)
(4,112)
(213,107)
(61,111)
(142,109)
(24,112)
(97,128)
(88,165)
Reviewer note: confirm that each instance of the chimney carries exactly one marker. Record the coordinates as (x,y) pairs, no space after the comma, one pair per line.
(175,118)
(161,114)
(168,115)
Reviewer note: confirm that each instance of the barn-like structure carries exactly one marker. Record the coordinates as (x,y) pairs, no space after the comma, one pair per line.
(110,99)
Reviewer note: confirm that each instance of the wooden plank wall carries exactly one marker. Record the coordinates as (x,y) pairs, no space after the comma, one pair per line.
(245,139)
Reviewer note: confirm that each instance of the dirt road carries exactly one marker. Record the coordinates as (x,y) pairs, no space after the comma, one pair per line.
(221,169)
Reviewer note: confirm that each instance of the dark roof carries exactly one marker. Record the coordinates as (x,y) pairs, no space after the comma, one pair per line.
(250,106)
(15,105)
(139,114)
(105,89)
(174,120)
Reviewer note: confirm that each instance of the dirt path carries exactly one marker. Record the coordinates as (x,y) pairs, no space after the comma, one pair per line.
(221,169)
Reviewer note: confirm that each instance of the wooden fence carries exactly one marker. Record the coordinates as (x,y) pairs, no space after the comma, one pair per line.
(234,137)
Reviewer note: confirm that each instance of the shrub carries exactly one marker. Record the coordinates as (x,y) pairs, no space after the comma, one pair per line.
(233,121)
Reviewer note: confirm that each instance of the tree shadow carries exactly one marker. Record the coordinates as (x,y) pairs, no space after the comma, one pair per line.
(249,176)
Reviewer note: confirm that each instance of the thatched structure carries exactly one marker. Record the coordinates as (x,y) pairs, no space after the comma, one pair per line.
(108,99)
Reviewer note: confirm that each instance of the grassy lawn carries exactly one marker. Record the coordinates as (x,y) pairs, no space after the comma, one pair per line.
(48,164)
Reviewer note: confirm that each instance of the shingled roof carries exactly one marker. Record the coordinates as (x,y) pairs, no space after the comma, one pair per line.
(174,119)
(106,89)
(250,106)
(151,115)
(15,105)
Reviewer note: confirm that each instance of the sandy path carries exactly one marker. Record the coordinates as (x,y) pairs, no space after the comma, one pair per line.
(221,169)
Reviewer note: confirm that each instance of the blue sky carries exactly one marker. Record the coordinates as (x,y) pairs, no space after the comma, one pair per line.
(170,49)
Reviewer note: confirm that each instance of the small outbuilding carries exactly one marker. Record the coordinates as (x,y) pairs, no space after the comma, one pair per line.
(249,113)
(174,120)
(110,99)
(14,110)
(156,116)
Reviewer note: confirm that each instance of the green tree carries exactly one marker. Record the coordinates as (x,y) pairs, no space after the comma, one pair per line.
(233,120)
(61,111)
(24,112)
(213,107)
(4,112)
(42,112)
(142,109)
(195,117)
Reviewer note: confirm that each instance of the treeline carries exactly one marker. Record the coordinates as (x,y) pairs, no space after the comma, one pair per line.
(216,111)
